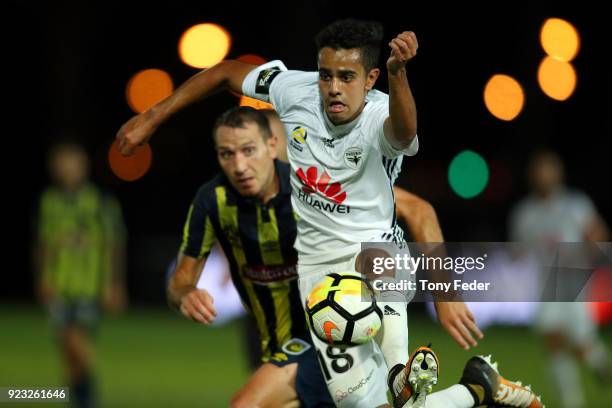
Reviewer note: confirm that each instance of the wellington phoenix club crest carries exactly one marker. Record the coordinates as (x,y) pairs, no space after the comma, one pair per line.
(353,156)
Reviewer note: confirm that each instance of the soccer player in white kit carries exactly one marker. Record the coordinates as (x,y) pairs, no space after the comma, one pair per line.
(345,145)
(553,214)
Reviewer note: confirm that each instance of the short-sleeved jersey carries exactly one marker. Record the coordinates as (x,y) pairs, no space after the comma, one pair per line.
(342,176)
(77,229)
(564,217)
(258,242)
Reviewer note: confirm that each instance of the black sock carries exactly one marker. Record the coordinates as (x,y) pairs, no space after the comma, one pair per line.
(83,392)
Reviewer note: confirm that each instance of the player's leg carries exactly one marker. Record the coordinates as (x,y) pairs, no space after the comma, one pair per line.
(74,323)
(269,386)
(564,369)
(290,378)
(393,336)
(563,366)
(78,355)
(570,336)
(355,377)
(481,384)
(411,383)
(482,379)
(586,342)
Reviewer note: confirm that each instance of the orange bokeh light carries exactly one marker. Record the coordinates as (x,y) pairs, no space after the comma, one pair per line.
(504,97)
(560,39)
(133,167)
(557,78)
(204,45)
(148,87)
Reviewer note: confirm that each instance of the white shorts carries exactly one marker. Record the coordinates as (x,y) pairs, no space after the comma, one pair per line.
(356,377)
(573,319)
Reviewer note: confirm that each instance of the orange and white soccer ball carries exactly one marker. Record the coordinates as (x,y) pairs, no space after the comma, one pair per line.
(341,310)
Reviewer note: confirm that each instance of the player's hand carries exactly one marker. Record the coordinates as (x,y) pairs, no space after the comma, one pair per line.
(136,132)
(197,305)
(403,49)
(459,322)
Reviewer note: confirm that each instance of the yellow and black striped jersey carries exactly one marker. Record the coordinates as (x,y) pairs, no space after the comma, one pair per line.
(77,230)
(258,242)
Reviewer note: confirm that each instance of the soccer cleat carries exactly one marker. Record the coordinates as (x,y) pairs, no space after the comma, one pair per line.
(410,384)
(481,377)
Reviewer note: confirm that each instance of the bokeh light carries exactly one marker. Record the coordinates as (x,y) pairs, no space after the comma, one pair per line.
(132,167)
(557,79)
(504,97)
(146,88)
(204,45)
(560,39)
(468,174)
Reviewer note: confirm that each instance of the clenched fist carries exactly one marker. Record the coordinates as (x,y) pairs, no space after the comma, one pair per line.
(197,305)
(403,49)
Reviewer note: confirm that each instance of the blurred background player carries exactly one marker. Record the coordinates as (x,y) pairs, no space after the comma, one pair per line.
(247,210)
(480,375)
(80,254)
(550,215)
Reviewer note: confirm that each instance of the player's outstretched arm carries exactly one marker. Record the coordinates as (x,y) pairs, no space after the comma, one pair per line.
(193,303)
(420,216)
(226,75)
(401,125)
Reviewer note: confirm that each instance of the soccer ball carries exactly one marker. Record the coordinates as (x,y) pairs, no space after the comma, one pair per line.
(342,311)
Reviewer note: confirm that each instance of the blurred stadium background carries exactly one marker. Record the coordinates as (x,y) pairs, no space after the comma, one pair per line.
(73,70)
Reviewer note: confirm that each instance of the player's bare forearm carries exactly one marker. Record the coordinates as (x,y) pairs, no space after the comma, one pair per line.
(401,125)
(454,316)
(225,75)
(181,282)
(184,278)
(422,221)
(419,215)
(193,303)
(402,109)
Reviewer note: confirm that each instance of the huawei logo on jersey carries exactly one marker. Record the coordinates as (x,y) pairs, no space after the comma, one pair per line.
(323,185)
(332,191)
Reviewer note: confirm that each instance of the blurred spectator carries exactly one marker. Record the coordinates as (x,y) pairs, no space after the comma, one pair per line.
(550,215)
(80,259)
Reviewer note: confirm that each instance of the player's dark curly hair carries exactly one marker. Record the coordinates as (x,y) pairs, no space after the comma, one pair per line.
(351,33)
(236,118)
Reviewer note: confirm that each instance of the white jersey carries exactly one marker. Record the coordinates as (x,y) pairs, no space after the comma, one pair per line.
(342,176)
(544,224)
(564,217)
